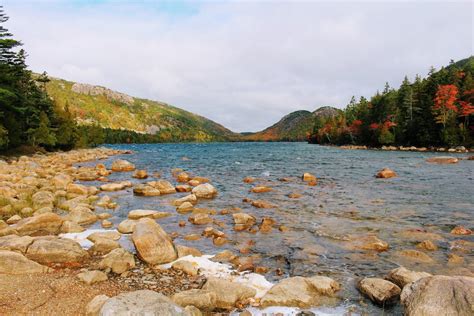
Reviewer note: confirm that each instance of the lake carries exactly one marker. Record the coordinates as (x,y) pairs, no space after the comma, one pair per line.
(424,202)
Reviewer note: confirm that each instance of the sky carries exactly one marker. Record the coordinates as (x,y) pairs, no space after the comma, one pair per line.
(243,64)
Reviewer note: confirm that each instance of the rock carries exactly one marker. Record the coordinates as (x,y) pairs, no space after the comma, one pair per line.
(81,215)
(187,267)
(183,177)
(193,183)
(205,191)
(460,230)
(137,214)
(12,262)
(186,251)
(110,187)
(61,181)
(267,225)
(308,177)
(462,246)
(165,187)
(455,259)
(71,227)
(153,245)
(219,241)
(249,180)
(369,242)
(43,224)
(91,277)
(106,224)
(140,174)
(142,302)
(118,260)
(224,256)
(386,173)
(414,256)
(127,226)
(112,235)
(418,235)
(15,243)
(42,199)
(103,246)
(48,250)
(442,160)
(295,195)
(201,299)
(301,292)
(192,310)
(260,189)
(427,245)
(145,190)
(244,219)
(439,295)
(402,276)
(191,198)
(262,204)
(186,207)
(94,306)
(228,293)
(183,188)
(77,189)
(104,215)
(200,219)
(14,219)
(122,165)
(192,237)
(106,202)
(379,291)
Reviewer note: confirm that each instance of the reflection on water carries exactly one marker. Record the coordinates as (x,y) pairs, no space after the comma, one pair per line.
(423,203)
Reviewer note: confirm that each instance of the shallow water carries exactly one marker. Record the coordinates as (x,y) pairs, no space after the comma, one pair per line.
(347,202)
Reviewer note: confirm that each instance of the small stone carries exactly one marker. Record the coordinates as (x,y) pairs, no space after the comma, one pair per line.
(260,189)
(140,174)
(427,245)
(461,230)
(308,177)
(386,173)
(94,306)
(380,291)
(106,224)
(187,267)
(91,277)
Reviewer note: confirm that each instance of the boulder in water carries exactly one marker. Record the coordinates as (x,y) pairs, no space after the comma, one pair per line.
(380,291)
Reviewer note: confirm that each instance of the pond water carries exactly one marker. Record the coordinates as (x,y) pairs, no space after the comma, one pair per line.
(424,202)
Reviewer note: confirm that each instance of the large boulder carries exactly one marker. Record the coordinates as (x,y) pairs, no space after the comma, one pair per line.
(82,216)
(153,245)
(122,165)
(48,250)
(141,303)
(439,295)
(301,292)
(42,224)
(380,291)
(15,243)
(205,191)
(402,276)
(12,262)
(228,293)
(118,261)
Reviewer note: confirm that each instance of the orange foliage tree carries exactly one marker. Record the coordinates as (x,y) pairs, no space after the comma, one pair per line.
(444,103)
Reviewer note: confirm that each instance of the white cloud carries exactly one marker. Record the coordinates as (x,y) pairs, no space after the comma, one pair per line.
(243,64)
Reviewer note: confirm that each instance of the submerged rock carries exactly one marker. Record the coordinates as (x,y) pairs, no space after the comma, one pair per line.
(380,291)
(142,302)
(461,230)
(260,189)
(443,160)
(414,256)
(140,174)
(301,292)
(262,204)
(439,295)
(386,173)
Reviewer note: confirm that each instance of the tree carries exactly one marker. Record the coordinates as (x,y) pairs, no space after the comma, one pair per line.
(42,135)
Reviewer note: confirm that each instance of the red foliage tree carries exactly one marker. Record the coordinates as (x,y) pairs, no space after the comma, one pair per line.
(444,102)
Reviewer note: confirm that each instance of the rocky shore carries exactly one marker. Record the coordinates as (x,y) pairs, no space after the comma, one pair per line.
(50,262)
(458,149)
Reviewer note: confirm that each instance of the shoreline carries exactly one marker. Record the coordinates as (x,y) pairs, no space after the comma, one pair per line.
(43,195)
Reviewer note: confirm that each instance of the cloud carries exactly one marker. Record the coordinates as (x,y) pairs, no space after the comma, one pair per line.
(242,64)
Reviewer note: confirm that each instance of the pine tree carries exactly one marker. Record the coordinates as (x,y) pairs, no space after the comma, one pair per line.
(42,135)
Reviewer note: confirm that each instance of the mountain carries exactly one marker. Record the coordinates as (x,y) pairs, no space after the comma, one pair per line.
(295,126)
(92,105)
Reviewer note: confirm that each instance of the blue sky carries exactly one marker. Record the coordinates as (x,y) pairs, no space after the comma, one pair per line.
(244,64)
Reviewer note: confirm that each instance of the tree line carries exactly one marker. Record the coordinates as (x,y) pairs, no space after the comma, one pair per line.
(435,111)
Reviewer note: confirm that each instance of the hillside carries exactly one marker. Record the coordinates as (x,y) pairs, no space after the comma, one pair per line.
(110,109)
(295,126)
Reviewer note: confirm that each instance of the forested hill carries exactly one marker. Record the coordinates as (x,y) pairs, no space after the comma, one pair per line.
(91,105)
(295,126)
(435,111)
